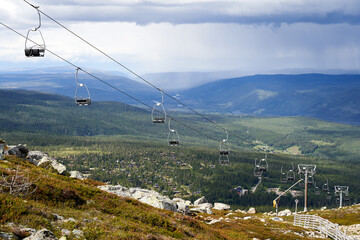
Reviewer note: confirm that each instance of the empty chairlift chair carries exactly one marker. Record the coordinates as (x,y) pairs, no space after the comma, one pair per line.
(158,113)
(82,94)
(224,151)
(263,164)
(325,186)
(37,50)
(317,190)
(284,177)
(290,175)
(173,136)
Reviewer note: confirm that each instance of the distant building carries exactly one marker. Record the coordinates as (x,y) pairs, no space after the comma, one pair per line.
(241,191)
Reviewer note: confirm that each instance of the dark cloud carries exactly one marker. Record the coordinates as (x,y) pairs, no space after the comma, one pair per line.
(199,11)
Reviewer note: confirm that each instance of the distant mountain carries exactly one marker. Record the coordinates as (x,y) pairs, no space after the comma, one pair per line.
(62,81)
(329,97)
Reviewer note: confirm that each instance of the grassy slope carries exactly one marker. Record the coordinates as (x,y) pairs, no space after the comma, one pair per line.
(101,215)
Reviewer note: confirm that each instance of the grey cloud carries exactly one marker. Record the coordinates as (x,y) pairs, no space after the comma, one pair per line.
(146,12)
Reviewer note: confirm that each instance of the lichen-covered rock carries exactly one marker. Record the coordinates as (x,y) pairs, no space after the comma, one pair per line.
(203,208)
(42,159)
(284,213)
(200,201)
(221,206)
(182,207)
(8,236)
(76,174)
(150,197)
(251,210)
(20,151)
(43,234)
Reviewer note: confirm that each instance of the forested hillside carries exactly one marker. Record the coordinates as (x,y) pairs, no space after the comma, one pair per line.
(117,143)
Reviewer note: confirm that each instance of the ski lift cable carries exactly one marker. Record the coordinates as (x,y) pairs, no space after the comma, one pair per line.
(135,74)
(112,86)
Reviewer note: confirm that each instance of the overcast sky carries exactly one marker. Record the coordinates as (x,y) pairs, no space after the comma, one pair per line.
(189,35)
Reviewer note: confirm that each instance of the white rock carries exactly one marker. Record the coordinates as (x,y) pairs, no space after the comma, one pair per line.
(203,208)
(247,218)
(43,234)
(214,221)
(78,232)
(76,174)
(251,210)
(284,213)
(323,208)
(221,206)
(200,201)
(65,232)
(182,207)
(40,158)
(150,197)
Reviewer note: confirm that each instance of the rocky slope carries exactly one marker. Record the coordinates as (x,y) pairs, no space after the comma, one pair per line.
(52,205)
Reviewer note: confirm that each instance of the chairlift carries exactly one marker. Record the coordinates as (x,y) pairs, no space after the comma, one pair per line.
(263,164)
(82,94)
(325,186)
(328,196)
(158,113)
(317,189)
(37,50)
(225,145)
(283,178)
(173,136)
(257,172)
(310,179)
(224,160)
(302,183)
(290,175)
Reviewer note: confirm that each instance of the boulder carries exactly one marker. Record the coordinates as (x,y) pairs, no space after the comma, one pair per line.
(8,236)
(203,208)
(284,213)
(76,174)
(43,234)
(251,210)
(42,159)
(221,206)
(150,197)
(20,151)
(182,207)
(200,201)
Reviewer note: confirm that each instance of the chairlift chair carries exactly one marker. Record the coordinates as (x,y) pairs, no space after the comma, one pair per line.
(325,186)
(291,174)
(173,136)
(317,189)
(257,172)
(82,94)
(283,178)
(263,164)
(224,160)
(328,196)
(158,113)
(37,50)
(225,145)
